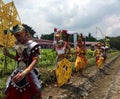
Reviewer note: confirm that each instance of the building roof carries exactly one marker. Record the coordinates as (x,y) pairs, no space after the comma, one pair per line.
(50,42)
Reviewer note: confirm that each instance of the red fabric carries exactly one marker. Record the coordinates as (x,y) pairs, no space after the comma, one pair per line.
(55,29)
(97,58)
(17,56)
(12,93)
(64,31)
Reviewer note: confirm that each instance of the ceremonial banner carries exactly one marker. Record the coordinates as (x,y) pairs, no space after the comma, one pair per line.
(8,17)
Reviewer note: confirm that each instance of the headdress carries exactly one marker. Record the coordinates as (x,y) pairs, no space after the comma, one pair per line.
(58,34)
(15,29)
(80,38)
(29,30)
(99,44)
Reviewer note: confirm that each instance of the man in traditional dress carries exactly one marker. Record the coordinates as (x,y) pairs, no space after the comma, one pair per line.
(23,83)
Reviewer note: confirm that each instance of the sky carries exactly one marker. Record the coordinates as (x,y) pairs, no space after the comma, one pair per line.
(98,17)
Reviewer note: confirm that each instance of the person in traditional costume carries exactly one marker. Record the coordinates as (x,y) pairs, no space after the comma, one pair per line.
(80,58)
(62,48)
(98,53)
(104,51)
(63,51)
(24,82)
(105,47)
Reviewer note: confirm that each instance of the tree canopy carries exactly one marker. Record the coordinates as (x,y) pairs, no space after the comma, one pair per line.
(114,41)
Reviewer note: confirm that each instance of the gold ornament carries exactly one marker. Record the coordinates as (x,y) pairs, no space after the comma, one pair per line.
(63,71)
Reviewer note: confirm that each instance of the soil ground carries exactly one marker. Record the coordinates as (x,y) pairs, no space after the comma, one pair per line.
(99,90)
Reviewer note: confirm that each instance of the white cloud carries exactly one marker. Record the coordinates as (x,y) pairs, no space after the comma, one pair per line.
(113,25)
(74,15)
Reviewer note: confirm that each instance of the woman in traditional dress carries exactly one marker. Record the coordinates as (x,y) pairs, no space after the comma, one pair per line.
(63,69)
(23,83)
(62,47)
(81,60)
(98,53)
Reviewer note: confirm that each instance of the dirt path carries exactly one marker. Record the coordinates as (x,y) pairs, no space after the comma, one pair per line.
(103,87)
(77,89)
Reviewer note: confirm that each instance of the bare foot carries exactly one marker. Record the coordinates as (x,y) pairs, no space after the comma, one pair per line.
(56,85)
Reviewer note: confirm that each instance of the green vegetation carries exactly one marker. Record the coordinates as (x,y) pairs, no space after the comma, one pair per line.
(2,85)
(47,57)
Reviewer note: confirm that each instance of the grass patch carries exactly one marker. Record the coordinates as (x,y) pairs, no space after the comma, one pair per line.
(3,81)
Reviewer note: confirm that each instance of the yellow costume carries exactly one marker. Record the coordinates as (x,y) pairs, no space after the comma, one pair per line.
(81,60)
(63,69)
(99,56)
